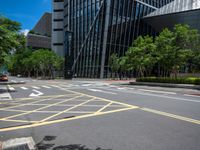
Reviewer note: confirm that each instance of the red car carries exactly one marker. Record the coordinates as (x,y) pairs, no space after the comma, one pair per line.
(3,78)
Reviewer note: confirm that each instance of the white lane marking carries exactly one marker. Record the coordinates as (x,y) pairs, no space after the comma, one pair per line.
(191,95)
(35,87)
(112,86)
(66,85)
(154,91)
(121,88)
(38,93)
(55,86)
(24,88)
(86,85)
(162,96)
(131,88)
(96,90)
(47,87)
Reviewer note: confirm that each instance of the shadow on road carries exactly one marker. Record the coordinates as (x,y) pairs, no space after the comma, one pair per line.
(47,143)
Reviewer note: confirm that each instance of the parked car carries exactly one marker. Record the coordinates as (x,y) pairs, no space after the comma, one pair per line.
(3,77)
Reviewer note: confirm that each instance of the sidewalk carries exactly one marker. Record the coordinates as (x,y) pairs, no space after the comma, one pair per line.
(185,86)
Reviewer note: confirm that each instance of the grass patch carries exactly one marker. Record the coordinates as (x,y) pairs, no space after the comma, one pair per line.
(179,80)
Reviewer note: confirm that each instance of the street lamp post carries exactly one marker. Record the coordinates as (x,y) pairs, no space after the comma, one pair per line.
(68,49)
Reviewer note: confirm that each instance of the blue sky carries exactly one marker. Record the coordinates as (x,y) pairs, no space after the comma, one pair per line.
(27,12)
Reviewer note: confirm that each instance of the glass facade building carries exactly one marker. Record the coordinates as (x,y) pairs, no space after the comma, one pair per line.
(95,29)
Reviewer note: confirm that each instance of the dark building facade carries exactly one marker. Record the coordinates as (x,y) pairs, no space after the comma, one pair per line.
(95,29)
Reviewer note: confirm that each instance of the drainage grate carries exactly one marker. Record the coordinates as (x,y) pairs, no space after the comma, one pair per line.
(19,144)
(19,147)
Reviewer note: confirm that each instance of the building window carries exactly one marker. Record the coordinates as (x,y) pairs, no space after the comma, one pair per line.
(57,29)
(58,0)
(57,20)
(57,44)
(58,10)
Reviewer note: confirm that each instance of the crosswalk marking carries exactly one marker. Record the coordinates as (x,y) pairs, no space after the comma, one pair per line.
(55,86)
(47,87)
(5,96)
(35,87)
(11,89)
(24,88)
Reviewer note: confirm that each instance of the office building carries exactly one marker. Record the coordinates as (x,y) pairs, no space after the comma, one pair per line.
(40,35)
(57,27)
(95,29)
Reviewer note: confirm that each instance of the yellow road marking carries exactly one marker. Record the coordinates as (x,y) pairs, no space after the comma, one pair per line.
(14,110)
(39,123)
(104,107)
(61,120)
(116,106)
(103,99)
(50,112)
(171,115)
(25,104)
(130,107)
(38,98)
(149,110)
(66,110)
(22,121)
(39,108)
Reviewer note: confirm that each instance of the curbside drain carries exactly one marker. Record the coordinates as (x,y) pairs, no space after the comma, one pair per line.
(26,143)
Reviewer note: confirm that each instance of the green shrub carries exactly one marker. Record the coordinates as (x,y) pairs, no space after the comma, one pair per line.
(179,80)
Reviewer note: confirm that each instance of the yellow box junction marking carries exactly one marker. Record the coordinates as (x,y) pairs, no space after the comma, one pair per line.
(50,105)
(99,112)
(67,110)
(46,121)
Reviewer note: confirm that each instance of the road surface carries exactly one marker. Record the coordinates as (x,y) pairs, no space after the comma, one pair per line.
(97,114)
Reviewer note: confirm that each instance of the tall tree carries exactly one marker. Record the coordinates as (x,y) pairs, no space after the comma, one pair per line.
(165,51)
(8,37)
(142,55)
(185,42)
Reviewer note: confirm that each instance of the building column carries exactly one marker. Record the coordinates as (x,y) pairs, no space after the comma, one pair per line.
(105,35)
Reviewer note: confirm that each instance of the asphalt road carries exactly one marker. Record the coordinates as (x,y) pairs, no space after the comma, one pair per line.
(102,115)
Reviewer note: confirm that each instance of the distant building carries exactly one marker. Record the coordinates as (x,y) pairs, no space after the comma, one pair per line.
(87,32)
(40,35)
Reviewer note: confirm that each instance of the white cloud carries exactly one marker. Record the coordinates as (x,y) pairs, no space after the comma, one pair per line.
(25,31)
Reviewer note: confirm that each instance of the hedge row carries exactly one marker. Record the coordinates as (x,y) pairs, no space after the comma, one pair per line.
(179,80)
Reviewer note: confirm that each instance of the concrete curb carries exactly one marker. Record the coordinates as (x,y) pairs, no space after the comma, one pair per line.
(185,86)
